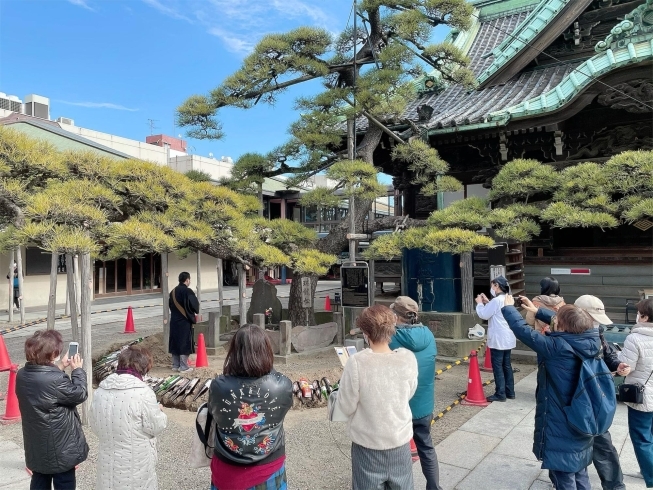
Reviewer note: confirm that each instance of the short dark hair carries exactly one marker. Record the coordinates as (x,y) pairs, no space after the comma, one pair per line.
(645,308)
(43,346)
(250,353)
(549,285)
(378,323)
(503,287)
(183,277)
(136,358)
(573,319)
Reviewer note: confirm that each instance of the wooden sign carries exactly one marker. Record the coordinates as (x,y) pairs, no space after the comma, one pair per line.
(306,292)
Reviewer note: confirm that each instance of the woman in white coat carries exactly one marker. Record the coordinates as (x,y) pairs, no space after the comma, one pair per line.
(127,418)
(638,354)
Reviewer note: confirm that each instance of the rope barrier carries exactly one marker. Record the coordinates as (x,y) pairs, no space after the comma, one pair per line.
(459,361)
(456,402)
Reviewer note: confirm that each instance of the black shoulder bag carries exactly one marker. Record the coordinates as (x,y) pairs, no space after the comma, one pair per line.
(633,392)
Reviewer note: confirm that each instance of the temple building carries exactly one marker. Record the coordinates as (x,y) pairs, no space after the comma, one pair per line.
(562,82)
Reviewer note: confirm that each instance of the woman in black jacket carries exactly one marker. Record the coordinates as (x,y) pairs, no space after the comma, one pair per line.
(249,403)
(52,431)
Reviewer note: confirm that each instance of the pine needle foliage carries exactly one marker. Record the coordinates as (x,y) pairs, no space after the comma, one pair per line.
(522,179)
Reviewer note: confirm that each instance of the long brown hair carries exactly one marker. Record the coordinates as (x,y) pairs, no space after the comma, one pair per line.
(250,353)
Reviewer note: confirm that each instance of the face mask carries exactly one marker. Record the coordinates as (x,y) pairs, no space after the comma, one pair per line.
(56,359)
(493,293)
(367,341)
(638,319)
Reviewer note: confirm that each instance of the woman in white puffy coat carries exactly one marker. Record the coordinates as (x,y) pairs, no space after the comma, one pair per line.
(638,354)
(127,418)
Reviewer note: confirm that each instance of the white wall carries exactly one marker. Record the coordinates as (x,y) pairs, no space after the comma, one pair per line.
(217,169)
(209,271)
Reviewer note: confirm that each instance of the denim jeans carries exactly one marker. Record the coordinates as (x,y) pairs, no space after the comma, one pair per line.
(640,427)
(427,456)
(503,377)
(570,481)
(179,362)
(61,481)
(606,462)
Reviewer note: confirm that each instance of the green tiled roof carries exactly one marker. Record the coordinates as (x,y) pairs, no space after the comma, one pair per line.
(522,36)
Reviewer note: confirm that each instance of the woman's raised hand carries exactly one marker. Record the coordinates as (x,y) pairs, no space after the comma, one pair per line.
(76,361)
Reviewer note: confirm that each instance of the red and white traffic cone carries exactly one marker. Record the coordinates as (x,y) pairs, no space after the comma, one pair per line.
(475,395)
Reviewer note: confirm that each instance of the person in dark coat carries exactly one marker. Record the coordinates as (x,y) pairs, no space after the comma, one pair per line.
(563,451)
(47,397)
(183,308)
(605,456)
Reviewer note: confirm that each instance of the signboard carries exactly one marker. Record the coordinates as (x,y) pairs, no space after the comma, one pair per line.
(571,272)
(336,299)
(496,271)
(355,282)
(306,292)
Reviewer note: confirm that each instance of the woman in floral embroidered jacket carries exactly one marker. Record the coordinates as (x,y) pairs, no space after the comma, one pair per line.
(249,403)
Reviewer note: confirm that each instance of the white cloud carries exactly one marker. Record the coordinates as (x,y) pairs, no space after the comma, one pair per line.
(81,3)
(99,105)
(239,24)
(232,42)
(166,9)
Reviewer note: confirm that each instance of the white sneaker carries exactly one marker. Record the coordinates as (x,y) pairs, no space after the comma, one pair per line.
(175,369)
(188,370)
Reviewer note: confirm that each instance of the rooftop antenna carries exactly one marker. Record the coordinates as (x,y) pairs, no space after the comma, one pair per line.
(150,123)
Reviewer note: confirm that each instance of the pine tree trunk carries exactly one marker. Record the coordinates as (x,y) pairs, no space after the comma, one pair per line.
(242,295)
(72,296)
(199,280)
(21,284)
(165,292)
(10,296)
(296,312)
(85,340)
(52,299)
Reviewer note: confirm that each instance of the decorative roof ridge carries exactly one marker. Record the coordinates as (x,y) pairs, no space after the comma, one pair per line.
(637,25)
(524,33)
(507,13)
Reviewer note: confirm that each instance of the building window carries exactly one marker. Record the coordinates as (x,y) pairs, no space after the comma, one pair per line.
(310,214)
(38,262)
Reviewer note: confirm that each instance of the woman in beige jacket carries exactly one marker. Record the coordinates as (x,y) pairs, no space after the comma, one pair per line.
(549,298)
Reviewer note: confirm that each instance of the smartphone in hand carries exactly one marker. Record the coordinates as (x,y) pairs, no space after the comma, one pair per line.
(73,349)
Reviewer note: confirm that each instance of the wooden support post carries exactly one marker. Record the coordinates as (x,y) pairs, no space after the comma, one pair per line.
(72,296)
(467,282)
(199,280)
(21,283)
(52,299)
(285,342)
(165,292)
(10,296)
(78,283)
(259,319)
(86,350)
(242,295)
(220,285)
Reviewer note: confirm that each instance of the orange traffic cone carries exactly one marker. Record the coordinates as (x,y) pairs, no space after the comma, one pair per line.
(327,303)
(129,323)
(5,362)
(12,412)
(201,360)
(413,451)
(475,395)
(487,363)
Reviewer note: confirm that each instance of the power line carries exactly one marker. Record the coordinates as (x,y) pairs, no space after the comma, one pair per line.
(560,61)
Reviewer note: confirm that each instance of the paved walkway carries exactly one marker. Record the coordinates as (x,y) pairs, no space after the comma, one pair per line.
(493,449)
(12,466)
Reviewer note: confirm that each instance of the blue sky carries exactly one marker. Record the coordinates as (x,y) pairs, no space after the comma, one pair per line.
(113,64)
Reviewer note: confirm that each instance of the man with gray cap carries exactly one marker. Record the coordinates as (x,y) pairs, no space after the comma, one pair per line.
(605,456)
(415,337)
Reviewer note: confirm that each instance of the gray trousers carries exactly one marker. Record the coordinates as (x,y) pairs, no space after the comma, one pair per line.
(389,469)
(179,362)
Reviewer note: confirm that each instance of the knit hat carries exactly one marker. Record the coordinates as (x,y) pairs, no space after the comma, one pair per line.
(404,305)
(502,282)
(593,306)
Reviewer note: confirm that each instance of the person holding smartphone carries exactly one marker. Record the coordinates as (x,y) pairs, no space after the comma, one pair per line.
(500,339)
(48,399)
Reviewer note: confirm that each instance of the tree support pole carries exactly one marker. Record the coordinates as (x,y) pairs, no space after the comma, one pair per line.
(10,296)
(165,292)
(52,299)
(21,284)
(220,285)
(199,280)
(86,351)
(72,296)
(242,295)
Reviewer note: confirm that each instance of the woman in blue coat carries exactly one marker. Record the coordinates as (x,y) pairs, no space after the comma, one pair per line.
(562,450)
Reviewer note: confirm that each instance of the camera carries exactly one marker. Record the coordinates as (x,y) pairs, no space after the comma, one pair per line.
(518,302)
